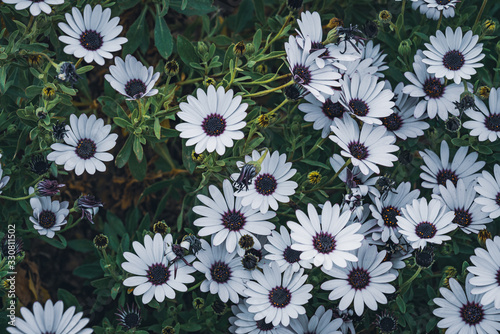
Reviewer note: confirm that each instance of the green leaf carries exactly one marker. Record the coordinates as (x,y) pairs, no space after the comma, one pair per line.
(139,152)
(315,163)
(68,299)
(186,50)
(115,290)
(84,69)
(90,270)
(192,7)
(123,123)
(81,245)
(163,38)
(137,168)
(157,128)
(431,323)
(401,304)
(136,34)
(191,327)
(257,39)
(124,154)
(459,142)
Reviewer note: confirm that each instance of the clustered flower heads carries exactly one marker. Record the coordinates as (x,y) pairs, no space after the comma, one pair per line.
(267,236)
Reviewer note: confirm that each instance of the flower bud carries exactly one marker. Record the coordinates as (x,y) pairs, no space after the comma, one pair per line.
(202,48)
(334,23)
(239,49)
(48,92)
(250,48)
(483,92)
(385,16)
(314,177)
(101,241)
(488,27)
(171,68)
(404,48)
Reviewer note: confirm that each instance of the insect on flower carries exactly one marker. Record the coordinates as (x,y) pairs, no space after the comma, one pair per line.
(347,35)
(247,173)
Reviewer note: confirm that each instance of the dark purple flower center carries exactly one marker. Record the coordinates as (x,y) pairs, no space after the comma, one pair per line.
(131,320)
(214,125)
(86,148)
(290,255)
(332,110)
(492,122)
(220,272)
(301,74)
(387,324)
(472,313)
(445,175)
(392,122)
(358,278)
(233,220)
(263,326)
(462,217)
(135,88)
(280,297)
(358,150)
(433,88)
(158,274)
(443,2)
(358,107)
(91,40)
(389,215)
(453,60)
(265,184)
(425,230)
(47,219)
(324,243)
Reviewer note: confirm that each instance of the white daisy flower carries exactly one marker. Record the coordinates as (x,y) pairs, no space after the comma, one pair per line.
(385,211)
(243,323)
(489,190)
(402,122)
(306,72)
(366,99)
(437,170)
(485,124)
(454,56)
(437,97)
(48,216)
(423,223)
(460,199)
(364,67)
(92,36)
(310,25)
(271,185)
(276,298)
(224,273)
(367,148)
(353,178)
(322,322)
(3,180)
(280,251)
(153,276)
(463,312)
(323,114)
(36,6)
(325,239)
(50,318)
(228,220)
(369,50)
(213,120)
(86,142)
(365,281)
(486,270)
(131,78)
(431,10)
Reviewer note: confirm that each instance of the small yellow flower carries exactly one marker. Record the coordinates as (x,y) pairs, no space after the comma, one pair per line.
(35,60)
(489,26)
(334,23)
(483,92)
(48,93)
(197,157)
(483,235)
(385,16)
(314,177)
(209,81)
(168,330)
(450,271)
(198,303)
(263,121)
(161,227)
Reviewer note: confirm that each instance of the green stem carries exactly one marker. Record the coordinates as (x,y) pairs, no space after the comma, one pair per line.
(408,282)
(278,107)
(278,35)
(339,171)
(478,17)
(265,92)
(17,199)
(440,19)
(195,286)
